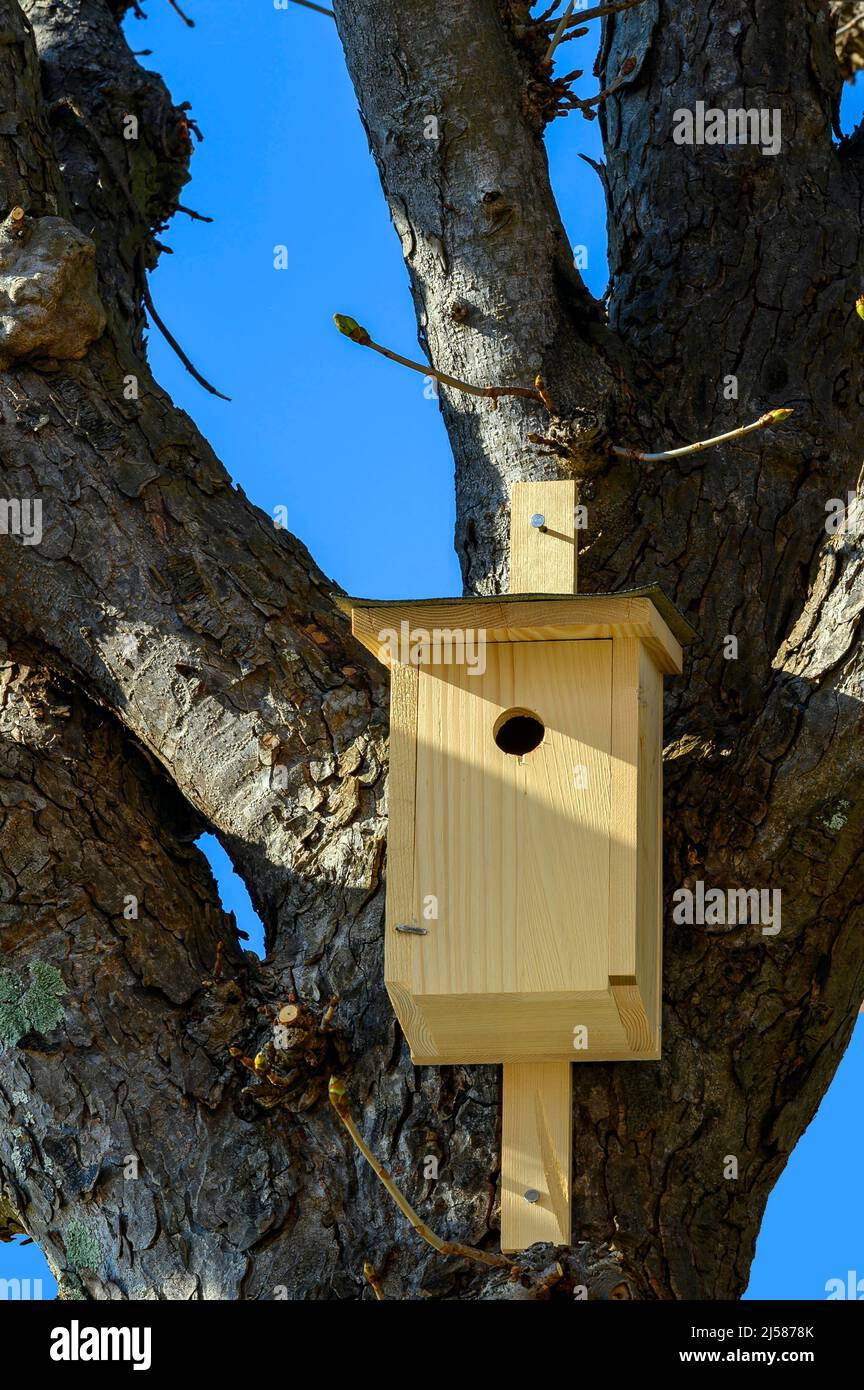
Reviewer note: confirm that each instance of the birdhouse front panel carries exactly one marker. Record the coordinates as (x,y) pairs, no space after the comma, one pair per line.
(513,844)
(529,899)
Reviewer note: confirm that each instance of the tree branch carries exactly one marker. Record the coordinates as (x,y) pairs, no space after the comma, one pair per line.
(731,540)
(122,190)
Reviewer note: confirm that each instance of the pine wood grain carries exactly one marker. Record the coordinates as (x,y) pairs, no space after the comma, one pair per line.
(535,1155)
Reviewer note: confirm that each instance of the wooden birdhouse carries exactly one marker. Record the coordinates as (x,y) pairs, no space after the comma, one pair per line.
(525,834)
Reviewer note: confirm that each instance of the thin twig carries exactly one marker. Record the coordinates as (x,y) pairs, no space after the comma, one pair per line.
(574,34)
(565,22)
(539,392)
(444,1247)
(850,24)
(773,417)
(353,330)
(171,340)
(585,106)
(543,393)
(185,18)
(556,37)
(197,216)
(142,265)
(614,7)
(370,1275)
(307,5)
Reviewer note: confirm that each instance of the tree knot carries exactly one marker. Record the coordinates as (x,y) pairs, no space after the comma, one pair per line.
(49,302)
(292,1068)
(580,439)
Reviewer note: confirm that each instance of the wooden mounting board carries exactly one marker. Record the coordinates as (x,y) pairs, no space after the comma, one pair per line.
(537,1104)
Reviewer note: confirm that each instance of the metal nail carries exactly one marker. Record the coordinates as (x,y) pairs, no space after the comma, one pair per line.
(532,1195)
(413,931)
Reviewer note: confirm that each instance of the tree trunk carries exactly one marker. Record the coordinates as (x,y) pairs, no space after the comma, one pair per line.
(174,662)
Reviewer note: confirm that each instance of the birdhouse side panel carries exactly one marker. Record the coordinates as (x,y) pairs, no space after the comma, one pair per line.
(649,888)
(623,840)
(636,841)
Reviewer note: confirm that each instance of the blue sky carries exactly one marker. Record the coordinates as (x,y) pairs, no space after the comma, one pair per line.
(348,442)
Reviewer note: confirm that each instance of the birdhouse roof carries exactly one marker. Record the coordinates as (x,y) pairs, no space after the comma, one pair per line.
(644,613)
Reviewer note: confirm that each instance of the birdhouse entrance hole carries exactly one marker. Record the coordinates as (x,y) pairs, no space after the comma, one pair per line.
(518,731)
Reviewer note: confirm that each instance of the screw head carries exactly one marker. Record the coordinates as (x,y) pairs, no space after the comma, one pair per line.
(532,1195)
(538,520)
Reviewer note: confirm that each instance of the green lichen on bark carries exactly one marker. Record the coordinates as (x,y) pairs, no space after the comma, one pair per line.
(12,1022)
(35,1009)
(83,1250)
(839,815)
(70,1289)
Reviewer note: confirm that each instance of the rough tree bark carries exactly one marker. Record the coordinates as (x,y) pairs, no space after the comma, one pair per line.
(173,662)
